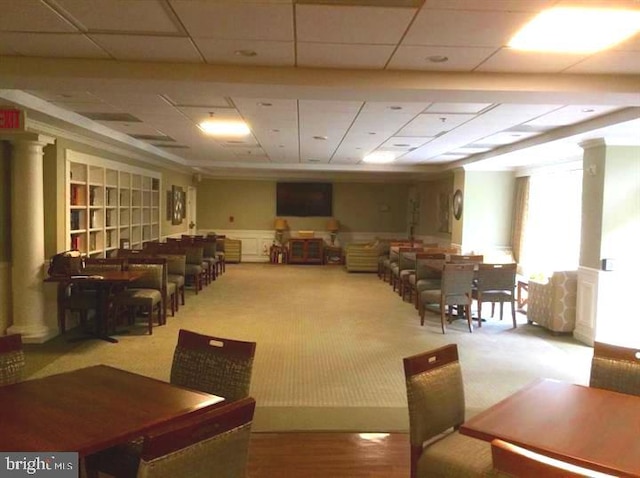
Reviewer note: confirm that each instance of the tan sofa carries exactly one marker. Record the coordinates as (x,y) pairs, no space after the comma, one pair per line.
(552,304)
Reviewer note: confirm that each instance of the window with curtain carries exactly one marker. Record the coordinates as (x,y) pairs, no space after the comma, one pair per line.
(552,230)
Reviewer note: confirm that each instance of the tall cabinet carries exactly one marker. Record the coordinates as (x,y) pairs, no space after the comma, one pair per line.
(109,202)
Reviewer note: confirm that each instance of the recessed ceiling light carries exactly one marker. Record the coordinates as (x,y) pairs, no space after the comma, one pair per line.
(402,145)
(395,108)
(225,128)
(372,133)
(438,58)
(320,138)
(577,30)
(379,157)
(247,53)
(587,110)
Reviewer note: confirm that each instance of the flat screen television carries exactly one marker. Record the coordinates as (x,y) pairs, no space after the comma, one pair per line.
(304,199)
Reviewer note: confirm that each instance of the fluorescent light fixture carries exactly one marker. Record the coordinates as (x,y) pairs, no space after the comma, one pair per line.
(225,128)
(379,157)
(577,30)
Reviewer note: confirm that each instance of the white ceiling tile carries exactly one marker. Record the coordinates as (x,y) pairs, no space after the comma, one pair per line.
(31,16)
(404,143)
(123,97)
(199,114)
(571,114)
(512,61)
(148,48)
(505,138)
(333,55)
(131,128)
(623,62)
(473,108)
(235,21)
(66,96)
(433,124)
(88,107)
(268,53)
(55,45)
(309,107)
(267,107)
(481,28)
(390,108)
(496,5)
(351,24)
(146,16)
(188,97)
(458,58)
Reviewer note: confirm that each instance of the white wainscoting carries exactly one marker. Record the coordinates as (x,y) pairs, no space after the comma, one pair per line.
(587,305)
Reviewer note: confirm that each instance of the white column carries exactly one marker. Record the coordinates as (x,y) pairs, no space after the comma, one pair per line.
(27,239)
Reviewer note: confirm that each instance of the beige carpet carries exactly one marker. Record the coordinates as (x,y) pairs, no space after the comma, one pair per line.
(330,347)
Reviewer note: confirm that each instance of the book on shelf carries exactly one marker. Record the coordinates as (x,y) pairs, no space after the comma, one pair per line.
(75,220)
(75,242)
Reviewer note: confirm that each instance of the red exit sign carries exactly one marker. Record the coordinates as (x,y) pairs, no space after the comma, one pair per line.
(11,120)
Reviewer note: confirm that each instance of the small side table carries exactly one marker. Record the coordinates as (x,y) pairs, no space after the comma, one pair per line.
(333,255)
(278,254)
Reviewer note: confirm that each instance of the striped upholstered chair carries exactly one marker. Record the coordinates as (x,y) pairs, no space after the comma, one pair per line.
(213,442)
(435,394)
(11,359)
(615,368)
(213,365)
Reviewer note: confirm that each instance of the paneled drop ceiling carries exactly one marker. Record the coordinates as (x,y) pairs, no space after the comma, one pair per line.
(321,83)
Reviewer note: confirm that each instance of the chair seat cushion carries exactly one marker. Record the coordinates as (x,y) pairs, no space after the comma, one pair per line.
(193,269)
(406,272)
(428,284)
(456,455)
(141,297)
(178,280)
(171,288)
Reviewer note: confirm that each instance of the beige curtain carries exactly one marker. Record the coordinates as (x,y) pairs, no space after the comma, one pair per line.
(520,216)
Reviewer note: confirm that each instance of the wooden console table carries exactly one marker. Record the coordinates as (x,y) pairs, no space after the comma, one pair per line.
(306,251)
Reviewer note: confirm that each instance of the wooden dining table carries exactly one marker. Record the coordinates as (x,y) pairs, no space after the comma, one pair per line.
(589,427)
(103,284)
(91,409)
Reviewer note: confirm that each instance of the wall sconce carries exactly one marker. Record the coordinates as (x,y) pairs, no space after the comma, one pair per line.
(333,226)
(280,225)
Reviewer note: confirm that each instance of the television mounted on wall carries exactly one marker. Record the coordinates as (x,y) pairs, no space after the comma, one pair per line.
(304,199)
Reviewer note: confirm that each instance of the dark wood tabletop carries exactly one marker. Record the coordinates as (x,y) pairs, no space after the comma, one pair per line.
(90,409)
(590,427)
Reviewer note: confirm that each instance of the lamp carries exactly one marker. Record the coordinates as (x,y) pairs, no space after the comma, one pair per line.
(280,225)
(333,225)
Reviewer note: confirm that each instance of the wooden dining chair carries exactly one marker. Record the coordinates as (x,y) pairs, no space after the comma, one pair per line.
(428,274)
(11,359)
(496,283)
(435,395)
(456,289)
(210,443)
(214,365)
(615,368)
(466,258)
(511,461)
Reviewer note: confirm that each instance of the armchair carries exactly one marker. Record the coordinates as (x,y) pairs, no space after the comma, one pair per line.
(363,257)
(552,304)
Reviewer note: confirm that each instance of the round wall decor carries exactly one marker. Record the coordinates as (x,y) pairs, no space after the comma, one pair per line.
(457,204)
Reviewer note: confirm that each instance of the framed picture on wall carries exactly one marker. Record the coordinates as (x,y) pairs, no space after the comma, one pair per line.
(177,199)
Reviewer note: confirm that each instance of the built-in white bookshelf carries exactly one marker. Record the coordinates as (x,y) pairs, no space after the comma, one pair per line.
(108,202)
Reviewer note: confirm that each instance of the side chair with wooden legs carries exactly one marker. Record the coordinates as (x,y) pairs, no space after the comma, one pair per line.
(457,284)
(615,368)
(496,283)
(11,359)
(435,396)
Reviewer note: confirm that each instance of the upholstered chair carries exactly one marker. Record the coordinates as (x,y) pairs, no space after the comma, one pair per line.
(148,292)
(552,303)
(194,271)
(457,284)
(11,359)
(615,368)
(232,251)
(435,395)
(428,274)
(496,283)
(211,443)
(212,364)
(363,257)
(176,270)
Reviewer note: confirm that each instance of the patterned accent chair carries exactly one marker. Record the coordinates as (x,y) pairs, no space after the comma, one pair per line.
(435,395)
(552,304)
(615,368)
(365,257)
(212,442)
(213,365)
(11,359)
